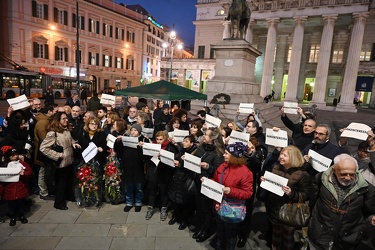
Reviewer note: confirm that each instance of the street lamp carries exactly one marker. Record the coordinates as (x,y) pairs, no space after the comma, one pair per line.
(172,44)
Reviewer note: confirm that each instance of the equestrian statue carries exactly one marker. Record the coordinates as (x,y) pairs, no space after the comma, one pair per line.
(239,16)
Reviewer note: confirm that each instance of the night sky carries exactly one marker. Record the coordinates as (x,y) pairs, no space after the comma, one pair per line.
(181,13)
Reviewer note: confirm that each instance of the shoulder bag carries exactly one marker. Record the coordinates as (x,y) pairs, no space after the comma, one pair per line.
(295,214)
(44,158)
(231,210)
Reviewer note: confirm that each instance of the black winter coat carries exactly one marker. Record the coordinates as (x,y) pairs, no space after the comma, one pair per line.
(133,163)
(99,139)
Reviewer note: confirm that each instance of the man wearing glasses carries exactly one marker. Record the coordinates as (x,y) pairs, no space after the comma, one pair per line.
(321,145)
(132,117)
(344,204)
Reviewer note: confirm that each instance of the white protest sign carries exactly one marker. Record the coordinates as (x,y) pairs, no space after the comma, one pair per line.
(357,131)
(318,161)
(192,162)
(179,135)
(11,174)
(212,189)
(276,138)
(111,141)
(212,122)
(155,160)
(236,136)
(171,134)
(130,141)
(19,102)
(151,149)
(108,99)
(290,107)
(274,183)
(90,152)
(167,157)
(147,132)
(246,108)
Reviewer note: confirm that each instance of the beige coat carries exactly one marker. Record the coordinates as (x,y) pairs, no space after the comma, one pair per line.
(63,139)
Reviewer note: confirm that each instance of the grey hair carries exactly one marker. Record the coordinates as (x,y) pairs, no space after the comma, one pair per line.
(325,126)
(343,157)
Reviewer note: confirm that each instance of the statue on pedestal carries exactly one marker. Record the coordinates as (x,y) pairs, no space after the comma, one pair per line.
(239,15)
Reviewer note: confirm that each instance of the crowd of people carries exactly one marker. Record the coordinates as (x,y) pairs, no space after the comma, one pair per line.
(47,141)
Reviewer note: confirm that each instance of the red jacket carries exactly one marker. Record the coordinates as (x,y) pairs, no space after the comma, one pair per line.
(16,190)
(238,178)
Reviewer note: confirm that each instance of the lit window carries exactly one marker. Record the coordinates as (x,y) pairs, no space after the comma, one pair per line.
(365,55)
(338,54)
(118,62)
(289,54)
(39,10)
(314,53)
(106,61)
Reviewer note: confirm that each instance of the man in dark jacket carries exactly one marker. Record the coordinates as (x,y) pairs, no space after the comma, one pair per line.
(344,200)
(163,119)
(321,145)
(94,103)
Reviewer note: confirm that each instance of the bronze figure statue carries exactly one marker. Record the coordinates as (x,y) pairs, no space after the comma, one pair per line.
(239,15)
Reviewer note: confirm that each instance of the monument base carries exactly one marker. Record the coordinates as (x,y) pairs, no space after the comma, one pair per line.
(234,72)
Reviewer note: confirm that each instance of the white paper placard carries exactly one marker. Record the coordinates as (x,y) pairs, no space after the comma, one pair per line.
(108,99)
(151,149)
(319,162)
(246,108)
(130,141)
(167,157)
(10,174)
(290,107)
(276,138)
(357,131)
(274,183)
(90,152)
(148,132)
(192,162)
(212,189)
(19,102)
(212,122)
(236,136)
(171,135)
(155,160)
(111,140)
(179,135)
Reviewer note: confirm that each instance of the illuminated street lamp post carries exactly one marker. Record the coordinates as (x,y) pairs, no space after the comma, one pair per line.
(172,44)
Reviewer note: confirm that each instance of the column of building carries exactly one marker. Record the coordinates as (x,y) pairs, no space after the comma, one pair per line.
(282,45)
(323,61)
(249,31)
(352,64)
(295,60)
(226,31)
(269,56)
(302,69)
(260,60)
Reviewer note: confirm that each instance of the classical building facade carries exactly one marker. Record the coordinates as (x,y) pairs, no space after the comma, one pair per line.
(320,51)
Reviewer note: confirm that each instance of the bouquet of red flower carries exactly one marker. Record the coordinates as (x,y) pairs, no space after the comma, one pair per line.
(114,192)
(88,187)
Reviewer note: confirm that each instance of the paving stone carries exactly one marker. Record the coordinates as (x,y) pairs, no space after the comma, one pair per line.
(61,217)
(106,207)
(29,243)
(177,243)
(36,215)
(128,231)
(84,243)
(34,230)
(133,243)
(167,231)
(139,218)
(93,217)
(6,230)
(82,230)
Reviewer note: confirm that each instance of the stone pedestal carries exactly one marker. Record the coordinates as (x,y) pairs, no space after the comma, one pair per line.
(234,72)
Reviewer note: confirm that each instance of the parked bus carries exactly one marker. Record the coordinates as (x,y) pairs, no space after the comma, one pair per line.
(14,83)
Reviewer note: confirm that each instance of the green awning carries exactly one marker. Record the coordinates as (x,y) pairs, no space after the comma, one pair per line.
(162,90)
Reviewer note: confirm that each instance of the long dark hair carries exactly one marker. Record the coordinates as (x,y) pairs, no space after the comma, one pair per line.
(55,124)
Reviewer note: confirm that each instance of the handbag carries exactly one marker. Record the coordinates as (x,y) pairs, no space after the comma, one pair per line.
(44,158)
(230,210)
(295,214)
(191,186)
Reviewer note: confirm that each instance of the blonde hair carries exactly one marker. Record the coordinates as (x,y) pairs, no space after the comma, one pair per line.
(295,156)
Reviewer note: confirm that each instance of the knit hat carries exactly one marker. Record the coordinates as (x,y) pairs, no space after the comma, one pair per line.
(166,106)
(137,127)
(8,151)
(237,149)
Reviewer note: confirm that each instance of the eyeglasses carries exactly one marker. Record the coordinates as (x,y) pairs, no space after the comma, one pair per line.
(319,134)
(64,119)
(93,123)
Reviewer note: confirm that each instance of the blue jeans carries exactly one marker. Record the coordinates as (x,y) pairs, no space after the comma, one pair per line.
(133,191)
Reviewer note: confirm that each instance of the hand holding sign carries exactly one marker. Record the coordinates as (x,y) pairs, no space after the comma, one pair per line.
(290,108)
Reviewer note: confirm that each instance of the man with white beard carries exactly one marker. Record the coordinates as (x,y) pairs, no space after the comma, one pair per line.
(344,201)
